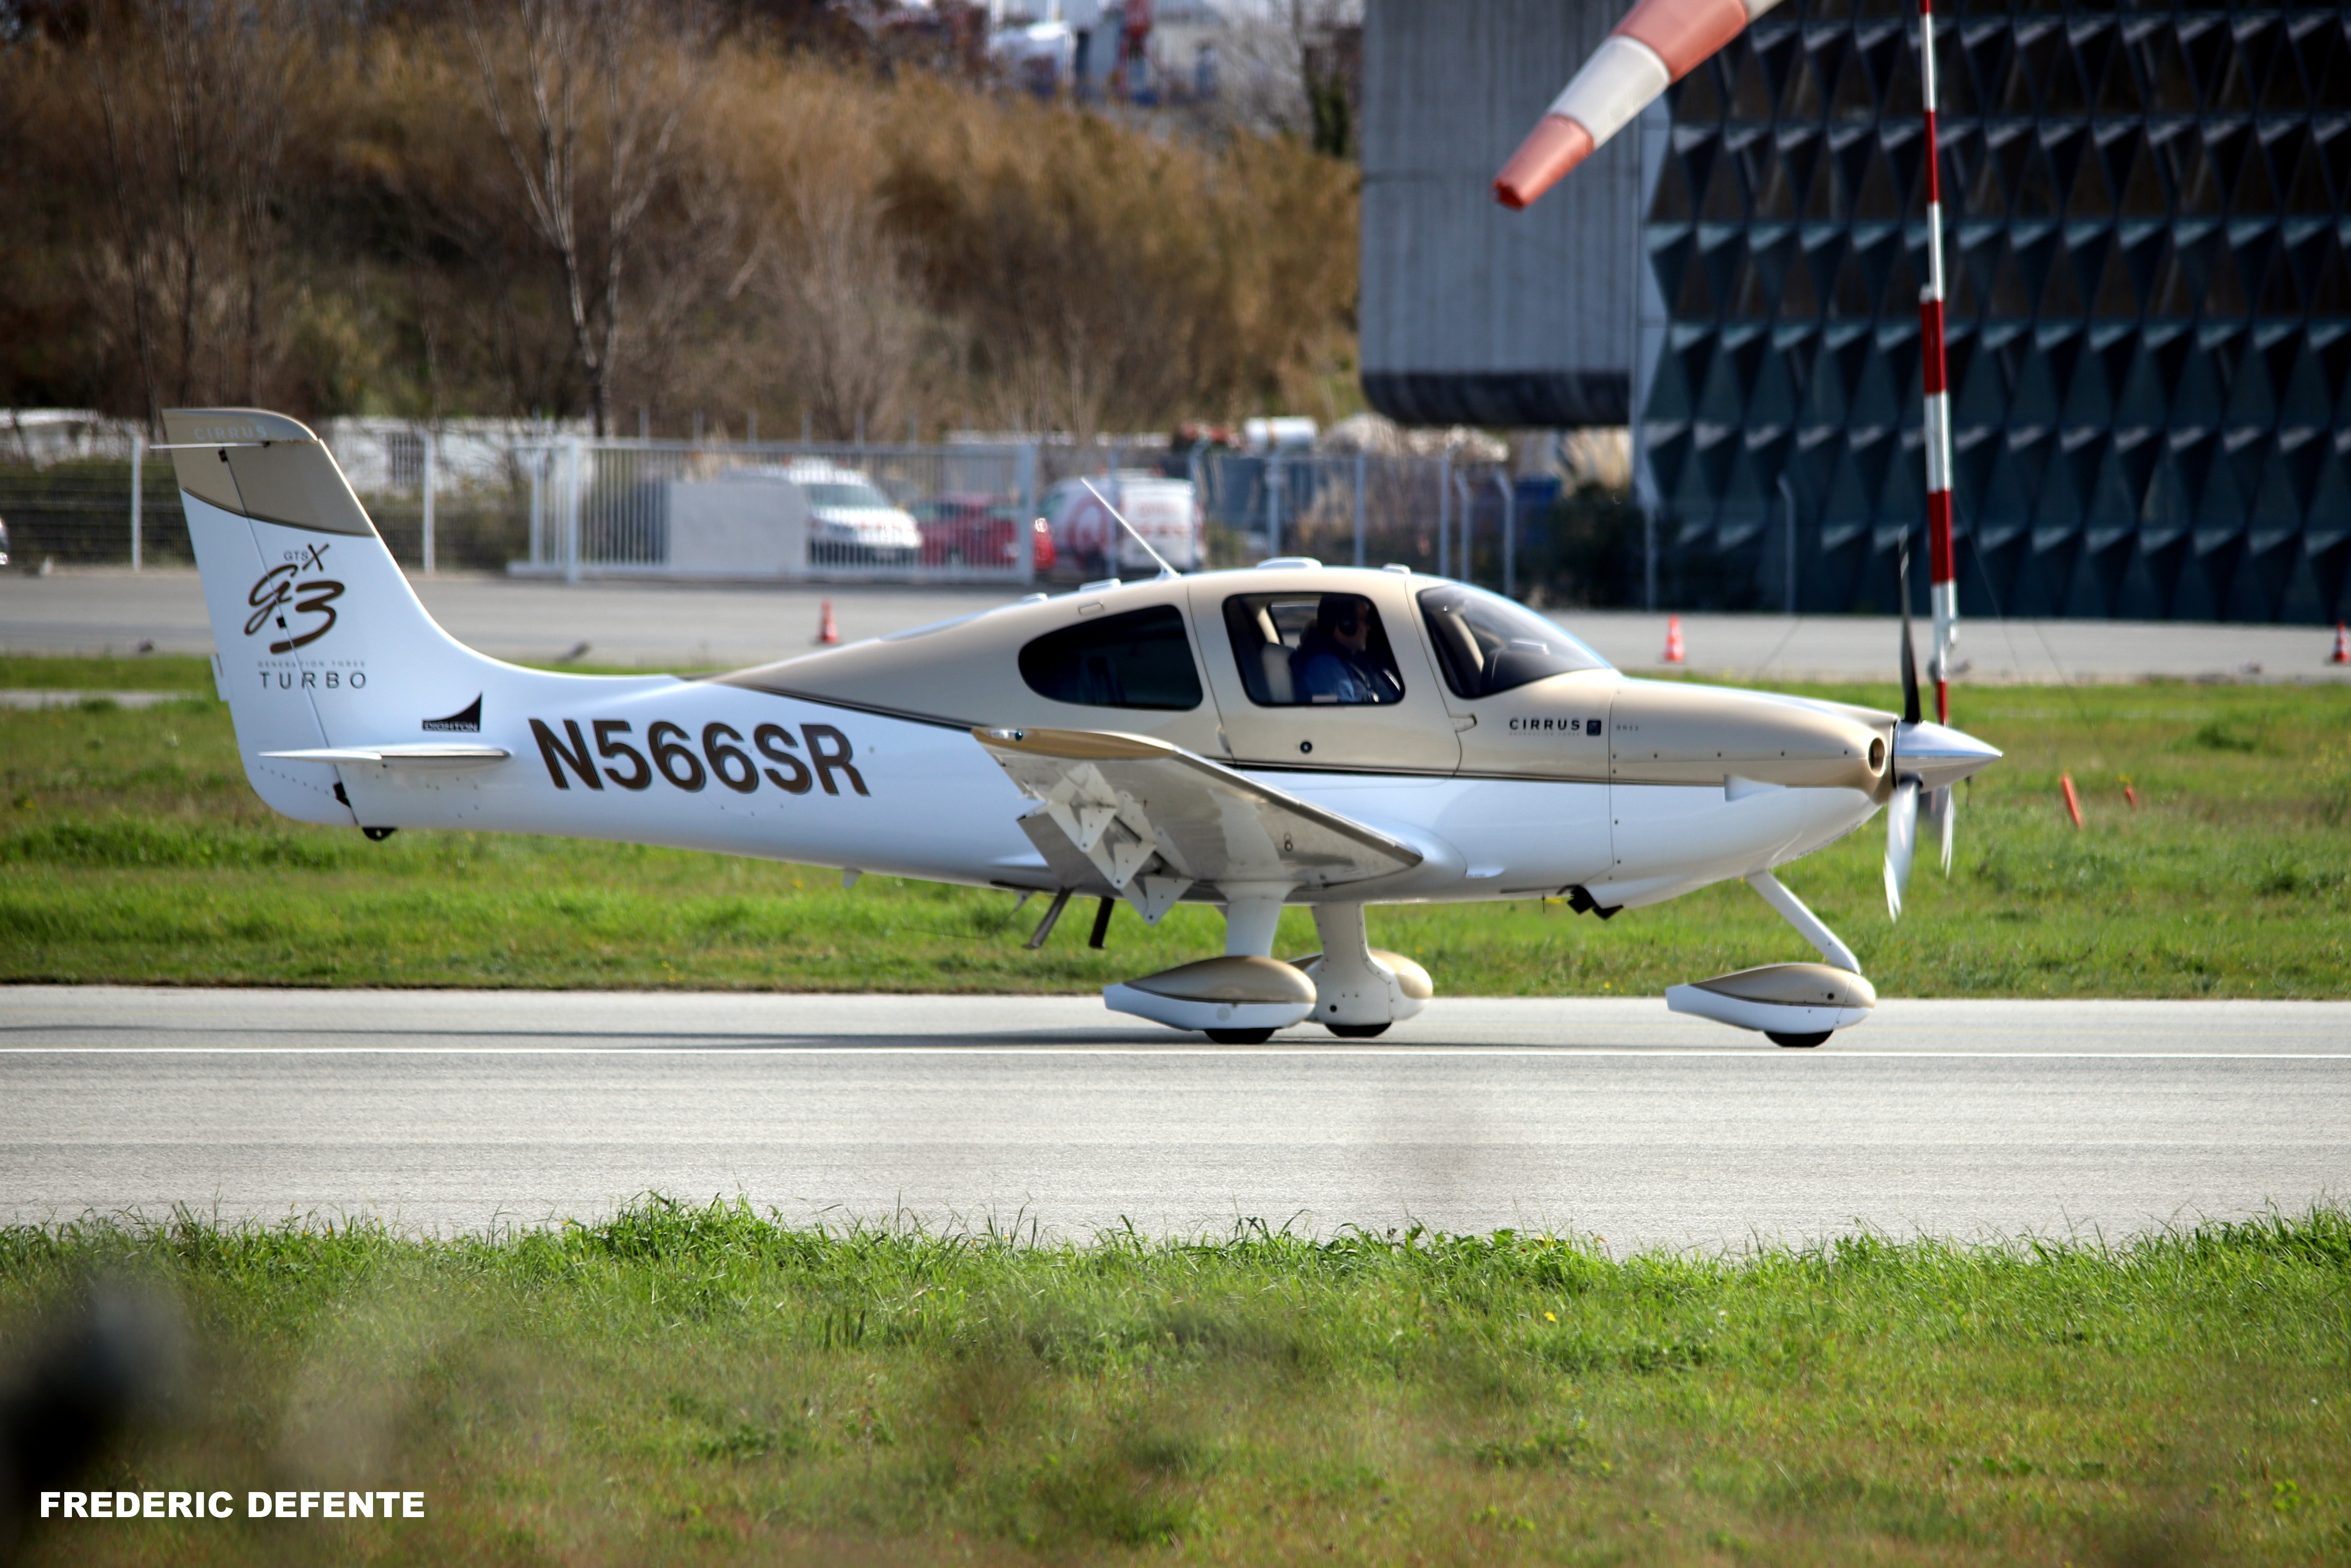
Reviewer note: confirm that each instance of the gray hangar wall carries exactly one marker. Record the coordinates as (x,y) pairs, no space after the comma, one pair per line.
(1473,314)
(2148,243)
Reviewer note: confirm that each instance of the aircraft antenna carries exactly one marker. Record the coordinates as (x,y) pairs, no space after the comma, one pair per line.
(1165,569)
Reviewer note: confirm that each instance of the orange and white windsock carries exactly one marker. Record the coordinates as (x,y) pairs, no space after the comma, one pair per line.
(1658,43)
(1943,597)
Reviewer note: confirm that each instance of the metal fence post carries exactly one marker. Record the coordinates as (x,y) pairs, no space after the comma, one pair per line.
(1273,502)
(1509,534)
(538,509)
(1363,471)
(1445,514)
(1649,556)
(138,497)
(1196,468)
(1787,514)
(432,465)
(1026,465)
(576,456)
(1469,564)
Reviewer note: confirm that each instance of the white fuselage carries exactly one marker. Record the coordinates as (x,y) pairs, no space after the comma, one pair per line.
(710,766)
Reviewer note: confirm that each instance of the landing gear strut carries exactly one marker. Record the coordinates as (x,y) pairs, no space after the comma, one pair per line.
(1794,1005)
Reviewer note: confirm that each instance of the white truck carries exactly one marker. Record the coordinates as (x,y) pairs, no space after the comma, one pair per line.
(784,520)
(1088,539)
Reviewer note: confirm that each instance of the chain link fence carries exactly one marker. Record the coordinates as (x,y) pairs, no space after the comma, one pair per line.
(798,511)
(529,500)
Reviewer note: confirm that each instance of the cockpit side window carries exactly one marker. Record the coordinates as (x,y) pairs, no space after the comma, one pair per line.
(1141,659)
(1304,650)
(1486,643)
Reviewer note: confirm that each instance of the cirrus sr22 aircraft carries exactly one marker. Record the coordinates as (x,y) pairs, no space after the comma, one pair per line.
(1286,734)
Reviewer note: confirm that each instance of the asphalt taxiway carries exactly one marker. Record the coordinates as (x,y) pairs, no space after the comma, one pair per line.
(448,1110)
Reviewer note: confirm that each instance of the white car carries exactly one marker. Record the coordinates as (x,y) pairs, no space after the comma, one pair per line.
(1162,510)
(851,521)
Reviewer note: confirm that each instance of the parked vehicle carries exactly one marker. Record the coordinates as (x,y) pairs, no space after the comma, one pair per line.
(1165,511)
(851,521)
(980,531)
(3,544)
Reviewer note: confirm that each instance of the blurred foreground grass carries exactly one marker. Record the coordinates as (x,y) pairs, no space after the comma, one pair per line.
(131,850)
(704,1385)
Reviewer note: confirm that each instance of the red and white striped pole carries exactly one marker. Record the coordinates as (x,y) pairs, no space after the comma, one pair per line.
(1944,595)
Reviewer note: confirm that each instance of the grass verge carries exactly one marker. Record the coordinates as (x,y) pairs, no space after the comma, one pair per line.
(702,1384)
(132,851)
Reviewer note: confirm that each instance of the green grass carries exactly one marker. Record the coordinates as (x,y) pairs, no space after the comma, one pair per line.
(704,1385)
(131,850)
(73,672)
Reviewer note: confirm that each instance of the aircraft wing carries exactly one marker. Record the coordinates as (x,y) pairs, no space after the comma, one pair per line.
(1150,820)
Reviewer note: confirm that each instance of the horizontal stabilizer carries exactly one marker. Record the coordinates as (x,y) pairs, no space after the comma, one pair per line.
(426,756)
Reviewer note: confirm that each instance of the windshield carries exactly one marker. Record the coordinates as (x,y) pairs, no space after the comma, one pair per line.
(845,494)
(1487,644)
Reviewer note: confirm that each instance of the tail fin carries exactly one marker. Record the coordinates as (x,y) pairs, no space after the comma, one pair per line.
(321,643)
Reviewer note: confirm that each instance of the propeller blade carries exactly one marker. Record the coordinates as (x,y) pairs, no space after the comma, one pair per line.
(1947,807)
(1911,708)
(1901,843)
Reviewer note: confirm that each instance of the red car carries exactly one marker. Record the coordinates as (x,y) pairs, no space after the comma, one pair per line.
(978,530)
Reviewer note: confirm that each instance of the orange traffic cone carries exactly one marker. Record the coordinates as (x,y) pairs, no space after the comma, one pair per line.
(2342,654)
(826,634)
(1673,639)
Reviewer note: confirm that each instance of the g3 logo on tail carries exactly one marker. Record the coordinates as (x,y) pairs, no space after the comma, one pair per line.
(275,590)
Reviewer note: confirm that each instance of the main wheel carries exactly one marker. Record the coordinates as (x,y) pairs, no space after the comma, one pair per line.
(1241,1036)
(1797,1041)
(1357,1030)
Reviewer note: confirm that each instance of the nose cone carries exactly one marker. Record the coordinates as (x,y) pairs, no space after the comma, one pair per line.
(1937,755)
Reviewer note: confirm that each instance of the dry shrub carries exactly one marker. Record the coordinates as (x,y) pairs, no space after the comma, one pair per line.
(330,219)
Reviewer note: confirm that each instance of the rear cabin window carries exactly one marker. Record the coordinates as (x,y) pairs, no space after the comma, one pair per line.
(1141,659)
(1304,650)
(1486,643)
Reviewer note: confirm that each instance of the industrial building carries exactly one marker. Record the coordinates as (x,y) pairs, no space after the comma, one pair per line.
(2150,318)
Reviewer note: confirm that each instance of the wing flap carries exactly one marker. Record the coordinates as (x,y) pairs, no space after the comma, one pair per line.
(1151,819)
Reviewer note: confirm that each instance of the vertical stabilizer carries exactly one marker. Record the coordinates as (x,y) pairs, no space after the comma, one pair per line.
(321,640)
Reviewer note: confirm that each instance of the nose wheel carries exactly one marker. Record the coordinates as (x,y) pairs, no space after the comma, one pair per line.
(1798,1041)
(1239,1036)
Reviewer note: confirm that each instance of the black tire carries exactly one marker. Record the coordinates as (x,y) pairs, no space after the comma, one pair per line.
(1798,1041)
(1357,1030)
(1241,1036)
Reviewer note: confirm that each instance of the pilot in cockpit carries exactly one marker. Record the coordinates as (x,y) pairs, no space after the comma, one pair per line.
(1339,660)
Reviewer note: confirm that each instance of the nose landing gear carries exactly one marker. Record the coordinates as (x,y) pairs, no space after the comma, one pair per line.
(1794,1005)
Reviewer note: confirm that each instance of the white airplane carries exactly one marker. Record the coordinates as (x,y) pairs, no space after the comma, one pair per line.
(1286,734)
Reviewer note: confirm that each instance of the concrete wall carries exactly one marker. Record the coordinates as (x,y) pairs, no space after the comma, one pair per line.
(1471,313)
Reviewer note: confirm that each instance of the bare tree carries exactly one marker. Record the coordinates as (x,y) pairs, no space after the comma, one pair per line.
(856,323)
(586,97)
(270,54)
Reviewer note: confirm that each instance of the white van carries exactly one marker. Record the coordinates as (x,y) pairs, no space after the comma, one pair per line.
(851,521)
(1088,539)
(783,519)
